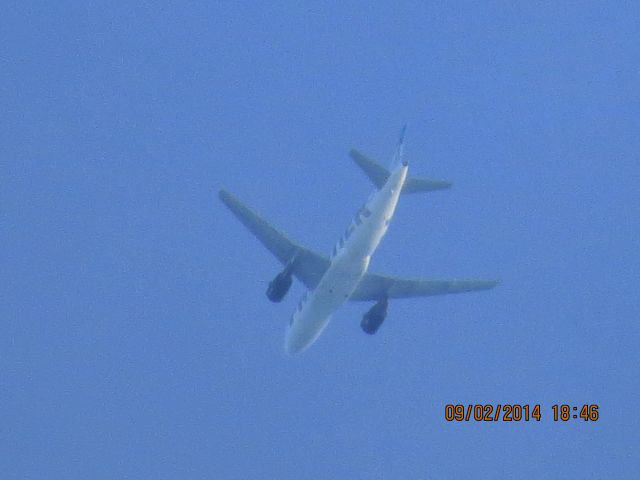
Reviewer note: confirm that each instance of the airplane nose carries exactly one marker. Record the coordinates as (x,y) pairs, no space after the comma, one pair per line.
(300,335)
(296,341)
(291,347)
(292,344)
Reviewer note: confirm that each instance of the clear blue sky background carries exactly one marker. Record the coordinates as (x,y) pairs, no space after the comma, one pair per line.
(136,338)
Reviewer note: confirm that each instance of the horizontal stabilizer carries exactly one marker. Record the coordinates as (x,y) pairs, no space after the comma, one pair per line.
(416,185)
(376,172)
(378,176)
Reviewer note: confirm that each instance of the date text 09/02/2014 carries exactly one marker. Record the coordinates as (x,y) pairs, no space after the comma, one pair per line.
(514,412)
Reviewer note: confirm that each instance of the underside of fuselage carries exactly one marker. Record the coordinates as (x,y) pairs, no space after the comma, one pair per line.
(315,308)
(348,266)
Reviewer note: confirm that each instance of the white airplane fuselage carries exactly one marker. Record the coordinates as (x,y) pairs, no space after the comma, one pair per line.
(349,262)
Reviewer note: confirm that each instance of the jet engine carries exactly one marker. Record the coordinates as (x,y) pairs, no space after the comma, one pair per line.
(372,320)
(279,286)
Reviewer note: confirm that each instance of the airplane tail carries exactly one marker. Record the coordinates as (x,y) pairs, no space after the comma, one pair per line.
(398,157)
(378,174)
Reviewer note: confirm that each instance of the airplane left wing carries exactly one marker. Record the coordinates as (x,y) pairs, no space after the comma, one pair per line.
(307,265)
(376,287)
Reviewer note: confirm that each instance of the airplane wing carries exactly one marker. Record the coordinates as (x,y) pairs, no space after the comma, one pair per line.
(375,287)
(308,266)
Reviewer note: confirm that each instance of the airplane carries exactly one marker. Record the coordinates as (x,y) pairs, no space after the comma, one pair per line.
(342,276)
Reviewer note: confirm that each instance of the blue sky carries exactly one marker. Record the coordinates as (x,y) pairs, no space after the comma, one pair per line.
(137,340)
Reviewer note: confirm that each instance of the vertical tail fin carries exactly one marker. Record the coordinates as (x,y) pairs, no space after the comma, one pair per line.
(398,157)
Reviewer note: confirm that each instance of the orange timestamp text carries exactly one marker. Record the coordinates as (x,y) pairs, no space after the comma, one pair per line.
(515,412)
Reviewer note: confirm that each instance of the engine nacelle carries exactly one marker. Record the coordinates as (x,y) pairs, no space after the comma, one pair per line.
(372,320)
(279,286)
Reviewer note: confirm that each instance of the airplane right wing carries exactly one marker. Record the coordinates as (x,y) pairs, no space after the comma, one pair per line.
(376,287)
(307,265)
